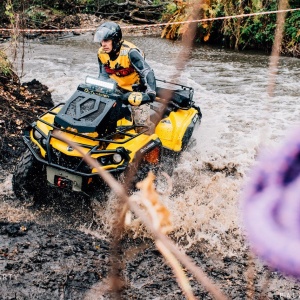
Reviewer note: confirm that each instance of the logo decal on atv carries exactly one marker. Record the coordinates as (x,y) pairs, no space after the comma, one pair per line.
(195,119)
(147,147)
(96,93)
(69,148)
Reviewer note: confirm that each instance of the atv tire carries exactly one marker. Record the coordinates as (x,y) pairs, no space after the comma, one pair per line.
(29,179)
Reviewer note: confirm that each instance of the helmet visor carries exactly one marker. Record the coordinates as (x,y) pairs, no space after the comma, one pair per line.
(103,33)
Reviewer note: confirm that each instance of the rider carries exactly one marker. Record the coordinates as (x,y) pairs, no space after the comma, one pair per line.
(123,62)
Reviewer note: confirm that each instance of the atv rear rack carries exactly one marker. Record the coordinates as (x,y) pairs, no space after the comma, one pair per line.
(180,98)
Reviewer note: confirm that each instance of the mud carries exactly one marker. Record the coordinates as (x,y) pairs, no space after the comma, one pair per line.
(53,262)
(20,104)
(49,262)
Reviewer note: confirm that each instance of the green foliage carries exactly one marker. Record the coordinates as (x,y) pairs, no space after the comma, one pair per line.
(9,12)
(156,2)
(5,65)
(256,32)
(257,4)
(170,8)
(292,27)
(36,15)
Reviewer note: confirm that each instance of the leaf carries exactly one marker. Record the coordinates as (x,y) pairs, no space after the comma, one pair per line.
(206,38)
(19,122)
(23,228)
(159,214)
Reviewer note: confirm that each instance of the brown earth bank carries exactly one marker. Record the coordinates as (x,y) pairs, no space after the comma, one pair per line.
(20,104)
(48,257)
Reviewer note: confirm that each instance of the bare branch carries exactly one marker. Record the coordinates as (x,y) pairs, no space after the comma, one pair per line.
(273,66)
(180,275)
(140,20)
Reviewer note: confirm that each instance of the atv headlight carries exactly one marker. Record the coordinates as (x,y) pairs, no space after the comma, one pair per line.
(117,158)
(109,84)
(36,135)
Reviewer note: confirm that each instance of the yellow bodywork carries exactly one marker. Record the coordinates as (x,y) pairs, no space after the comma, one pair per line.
(171,130)
(132,145)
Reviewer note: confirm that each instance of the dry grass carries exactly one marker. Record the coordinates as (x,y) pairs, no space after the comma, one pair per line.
(5,65)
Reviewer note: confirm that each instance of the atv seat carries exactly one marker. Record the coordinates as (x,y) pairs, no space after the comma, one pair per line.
(156,112)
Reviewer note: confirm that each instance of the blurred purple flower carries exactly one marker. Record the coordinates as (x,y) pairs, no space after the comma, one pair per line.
(271,207)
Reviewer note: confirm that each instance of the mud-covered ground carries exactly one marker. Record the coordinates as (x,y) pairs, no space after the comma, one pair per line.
(52,251)
(19,105)
(53,262)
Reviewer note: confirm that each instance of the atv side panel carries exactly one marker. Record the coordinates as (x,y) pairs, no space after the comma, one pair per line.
(172,129)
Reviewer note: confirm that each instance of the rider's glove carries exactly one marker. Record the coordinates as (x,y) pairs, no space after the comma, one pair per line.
(151,95)
(136,98)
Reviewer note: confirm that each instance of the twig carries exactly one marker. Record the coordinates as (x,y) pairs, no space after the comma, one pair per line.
(250,274)
(264,287)
(180,275)
(137,19)
(274,59)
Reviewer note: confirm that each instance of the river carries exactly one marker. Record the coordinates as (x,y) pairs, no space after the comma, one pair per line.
(238,120)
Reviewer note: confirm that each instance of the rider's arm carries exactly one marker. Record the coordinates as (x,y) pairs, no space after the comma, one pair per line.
(145,72)
(102,73)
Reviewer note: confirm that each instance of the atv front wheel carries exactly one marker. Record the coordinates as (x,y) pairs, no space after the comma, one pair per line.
(29,178)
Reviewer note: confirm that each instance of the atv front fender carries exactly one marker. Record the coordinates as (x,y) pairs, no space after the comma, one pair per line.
(176,128)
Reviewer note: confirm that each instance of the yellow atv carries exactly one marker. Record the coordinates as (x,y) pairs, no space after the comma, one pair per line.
(96,118)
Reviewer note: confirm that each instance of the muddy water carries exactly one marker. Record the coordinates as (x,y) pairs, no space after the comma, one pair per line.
(238,119)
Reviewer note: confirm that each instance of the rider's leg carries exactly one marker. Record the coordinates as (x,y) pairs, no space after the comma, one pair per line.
(141,116)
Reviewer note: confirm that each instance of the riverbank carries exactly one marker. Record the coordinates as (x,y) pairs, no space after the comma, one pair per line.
(19,105)
(254,31)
